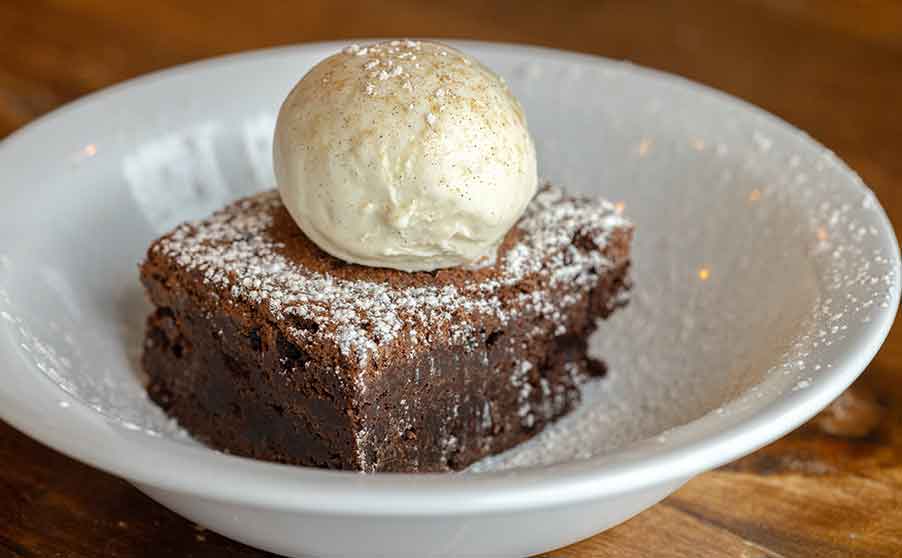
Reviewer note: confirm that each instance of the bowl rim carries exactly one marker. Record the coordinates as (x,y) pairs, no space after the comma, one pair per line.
(219,477)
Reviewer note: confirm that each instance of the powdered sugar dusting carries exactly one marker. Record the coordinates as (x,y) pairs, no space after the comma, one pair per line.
(556,224)
(386,61)
(364,319)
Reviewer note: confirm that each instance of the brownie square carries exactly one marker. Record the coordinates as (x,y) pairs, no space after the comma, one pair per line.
(263,345)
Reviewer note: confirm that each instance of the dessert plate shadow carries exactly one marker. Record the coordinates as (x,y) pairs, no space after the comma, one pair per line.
(767,277)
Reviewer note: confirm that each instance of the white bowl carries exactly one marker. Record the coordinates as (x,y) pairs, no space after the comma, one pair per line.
(767,276)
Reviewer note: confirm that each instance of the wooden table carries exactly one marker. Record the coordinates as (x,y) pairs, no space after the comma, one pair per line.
(833,488)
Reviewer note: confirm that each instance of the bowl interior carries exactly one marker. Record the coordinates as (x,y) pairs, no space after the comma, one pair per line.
(760,261)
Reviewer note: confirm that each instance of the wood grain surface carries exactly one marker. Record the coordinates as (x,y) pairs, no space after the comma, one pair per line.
(834,68)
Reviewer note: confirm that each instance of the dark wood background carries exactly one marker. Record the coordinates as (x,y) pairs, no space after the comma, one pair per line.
(833,68)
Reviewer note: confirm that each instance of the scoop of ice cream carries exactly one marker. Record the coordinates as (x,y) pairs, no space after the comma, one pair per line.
(404,154)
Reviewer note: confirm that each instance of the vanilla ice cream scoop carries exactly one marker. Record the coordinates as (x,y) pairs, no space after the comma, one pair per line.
(404,154)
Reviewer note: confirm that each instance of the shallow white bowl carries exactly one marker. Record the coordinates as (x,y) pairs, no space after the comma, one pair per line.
(766,273)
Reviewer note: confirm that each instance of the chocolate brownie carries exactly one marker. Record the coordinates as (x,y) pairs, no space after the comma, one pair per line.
(262,345)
